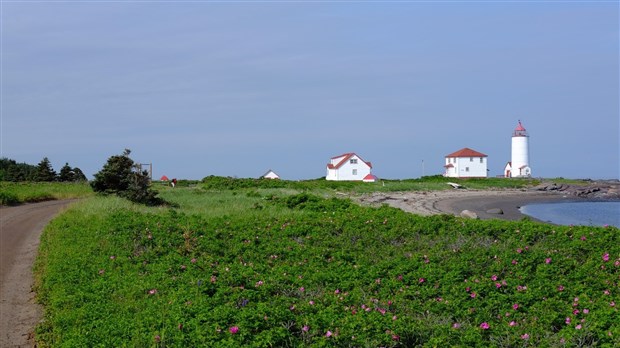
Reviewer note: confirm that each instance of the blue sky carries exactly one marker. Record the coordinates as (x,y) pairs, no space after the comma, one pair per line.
(236,88)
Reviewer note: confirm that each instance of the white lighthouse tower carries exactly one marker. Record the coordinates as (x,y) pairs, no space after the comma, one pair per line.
(519,166)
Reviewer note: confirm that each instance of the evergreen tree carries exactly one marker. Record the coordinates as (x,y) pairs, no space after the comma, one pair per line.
(44,171)
(121,176)
(13,171)
(78,175)
(66,174)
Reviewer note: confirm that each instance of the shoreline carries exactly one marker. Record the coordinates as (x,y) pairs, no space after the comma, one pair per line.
(485,204)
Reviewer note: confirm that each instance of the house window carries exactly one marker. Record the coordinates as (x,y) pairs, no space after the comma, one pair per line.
(481,160)
(354,171)
(353,161)
(466,169)
(471,159)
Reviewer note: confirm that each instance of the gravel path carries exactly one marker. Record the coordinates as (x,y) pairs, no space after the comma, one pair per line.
(20,229)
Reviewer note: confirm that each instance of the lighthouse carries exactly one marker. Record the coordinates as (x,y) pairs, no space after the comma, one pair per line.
(519,166)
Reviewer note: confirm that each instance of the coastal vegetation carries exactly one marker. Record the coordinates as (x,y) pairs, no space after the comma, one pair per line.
(12,193)
(261,263)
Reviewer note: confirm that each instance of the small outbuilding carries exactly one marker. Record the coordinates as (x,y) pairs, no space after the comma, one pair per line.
(270,175)
(466,163)
(164,178)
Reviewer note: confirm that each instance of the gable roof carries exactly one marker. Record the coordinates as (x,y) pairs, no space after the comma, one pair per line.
(270,172)
(466,152)
(346,157)
(370,177)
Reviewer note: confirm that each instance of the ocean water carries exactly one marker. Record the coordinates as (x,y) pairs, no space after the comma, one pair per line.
(576,213)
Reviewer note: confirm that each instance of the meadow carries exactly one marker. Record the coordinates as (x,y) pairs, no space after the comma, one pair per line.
(12,193)
(234,263)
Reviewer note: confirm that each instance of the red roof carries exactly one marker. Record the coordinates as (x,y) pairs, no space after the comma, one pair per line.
(449,165)
(466,152)
(520,127)
(164,178)
(370,177)
(345,159)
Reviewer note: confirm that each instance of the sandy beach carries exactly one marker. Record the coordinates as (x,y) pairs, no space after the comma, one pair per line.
(486,204)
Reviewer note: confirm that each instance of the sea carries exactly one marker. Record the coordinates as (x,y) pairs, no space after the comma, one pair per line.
(576,213)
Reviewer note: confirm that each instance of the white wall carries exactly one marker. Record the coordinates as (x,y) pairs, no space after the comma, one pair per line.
(345,172)
(467,167)
(520,156)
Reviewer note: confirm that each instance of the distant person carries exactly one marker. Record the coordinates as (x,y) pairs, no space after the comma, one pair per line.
(173,182)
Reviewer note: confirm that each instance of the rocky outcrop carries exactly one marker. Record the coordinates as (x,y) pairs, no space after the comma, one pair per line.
(604,189)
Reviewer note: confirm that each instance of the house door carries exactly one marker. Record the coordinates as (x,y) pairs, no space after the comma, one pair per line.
(508,173)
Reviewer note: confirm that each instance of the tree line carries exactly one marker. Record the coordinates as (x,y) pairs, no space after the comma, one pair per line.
(10,170)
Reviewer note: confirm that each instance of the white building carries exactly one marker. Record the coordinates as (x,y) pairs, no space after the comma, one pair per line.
(466,163)
(270,175)
(349,166)
(519,165)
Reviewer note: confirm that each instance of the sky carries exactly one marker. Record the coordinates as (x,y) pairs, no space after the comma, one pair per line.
(235,88)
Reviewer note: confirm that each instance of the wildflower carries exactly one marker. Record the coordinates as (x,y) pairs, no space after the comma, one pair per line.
(484,326)
(473,295)
(576,311)
(514,262)
(421,280)
(561,288)
(400,277)
(612,304)
(525,336)
(606,257)
(112,257)
(157,338)
(328,334)
(311,303)
(395,338)
(101,271)
(586,311)
(259,283)
(583,237)
(548,260)
(213,279)
(193,260)
(456,325)
(494,277)
(394,317)
(306,328)
(513,323)
(606,292)
(515,306)
(498,285)
(567,321)
(337,291)
(519,250)
(302,289)
(152,291)
(378,280)
(183,267)
(233,329)
(578,327)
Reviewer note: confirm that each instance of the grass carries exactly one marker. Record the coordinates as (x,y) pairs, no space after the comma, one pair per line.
(294,266)
(12,193)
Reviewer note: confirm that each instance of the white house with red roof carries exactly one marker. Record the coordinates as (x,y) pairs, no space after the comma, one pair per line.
(349,167)
(520,154)
(466,163)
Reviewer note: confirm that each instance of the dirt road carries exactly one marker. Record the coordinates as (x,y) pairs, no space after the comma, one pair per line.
(20,229)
